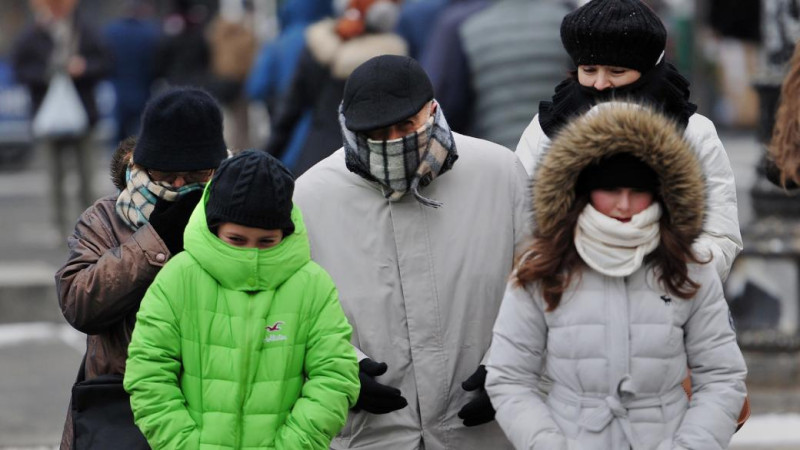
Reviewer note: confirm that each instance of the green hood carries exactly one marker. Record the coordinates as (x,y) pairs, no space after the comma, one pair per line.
(245,269)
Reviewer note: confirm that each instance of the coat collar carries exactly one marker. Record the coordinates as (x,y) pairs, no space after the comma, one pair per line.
(246,269)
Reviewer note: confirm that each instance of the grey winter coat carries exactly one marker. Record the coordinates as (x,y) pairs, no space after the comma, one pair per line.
(617,348)
(420,286)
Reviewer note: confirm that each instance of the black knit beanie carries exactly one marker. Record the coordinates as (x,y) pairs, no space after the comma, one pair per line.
(622,170)
(622,33)
(181,131)
(252,189)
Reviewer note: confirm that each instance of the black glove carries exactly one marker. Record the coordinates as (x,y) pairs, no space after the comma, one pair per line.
(374,397)
(479,410)
(170,218)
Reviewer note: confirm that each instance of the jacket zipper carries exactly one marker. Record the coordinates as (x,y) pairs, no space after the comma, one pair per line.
(245,374)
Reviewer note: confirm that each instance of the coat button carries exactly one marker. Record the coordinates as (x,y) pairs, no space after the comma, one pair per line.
(161,257)
(251,281)
(251,255)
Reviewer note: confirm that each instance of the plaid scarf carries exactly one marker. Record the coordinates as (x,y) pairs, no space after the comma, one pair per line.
(135,203)
(405,164)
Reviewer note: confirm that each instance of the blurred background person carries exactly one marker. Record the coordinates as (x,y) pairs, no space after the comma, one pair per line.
(444,60)
(275,66)
(334,48)
(514,56)
(417,22)
(233,46)
(60,42)
(132,40)
(183,56)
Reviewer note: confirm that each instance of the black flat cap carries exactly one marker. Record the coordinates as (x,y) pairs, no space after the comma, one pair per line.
(383,91)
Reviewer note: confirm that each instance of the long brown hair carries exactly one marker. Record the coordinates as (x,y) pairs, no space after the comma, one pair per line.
(554,260)
(784,148)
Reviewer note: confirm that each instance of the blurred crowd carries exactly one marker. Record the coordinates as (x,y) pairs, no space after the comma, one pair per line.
(278,68)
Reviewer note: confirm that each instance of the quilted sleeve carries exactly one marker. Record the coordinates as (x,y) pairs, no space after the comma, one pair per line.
(514,374)
(332,385)
(717,366)
(154,365)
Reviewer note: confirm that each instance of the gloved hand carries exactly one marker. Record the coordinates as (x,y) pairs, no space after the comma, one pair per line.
(479,410)
(374,397)
(170,218)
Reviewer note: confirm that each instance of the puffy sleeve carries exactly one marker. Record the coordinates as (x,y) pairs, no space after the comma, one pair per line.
(515,370)
(721,238)
(717,366)
(332,385)
(105,275)
(531,146)
(152,376)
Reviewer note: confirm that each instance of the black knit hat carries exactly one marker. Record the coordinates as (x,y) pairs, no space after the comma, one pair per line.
(252,189)
(622,33)
(181,131)
(622,170)
(384,91)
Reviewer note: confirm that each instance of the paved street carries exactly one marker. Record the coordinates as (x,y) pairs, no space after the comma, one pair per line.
(40,354)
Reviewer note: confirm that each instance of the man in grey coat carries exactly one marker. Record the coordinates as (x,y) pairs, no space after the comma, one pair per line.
(418,227)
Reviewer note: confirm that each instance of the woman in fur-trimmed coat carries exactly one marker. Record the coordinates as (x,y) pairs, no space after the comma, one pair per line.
(612,299)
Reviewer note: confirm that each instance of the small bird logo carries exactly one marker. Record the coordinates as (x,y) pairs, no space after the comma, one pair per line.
(667,299)
(274,327)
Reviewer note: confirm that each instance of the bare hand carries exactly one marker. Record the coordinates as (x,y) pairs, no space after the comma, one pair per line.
(76,66)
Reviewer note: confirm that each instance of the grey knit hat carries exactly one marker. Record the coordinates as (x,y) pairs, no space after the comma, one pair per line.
(622,33)
(252,189)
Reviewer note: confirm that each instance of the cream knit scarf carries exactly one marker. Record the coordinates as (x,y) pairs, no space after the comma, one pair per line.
(616,248)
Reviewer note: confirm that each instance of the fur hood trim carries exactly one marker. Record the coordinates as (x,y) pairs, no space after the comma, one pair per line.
(612,128)
(120,162)
(342,57)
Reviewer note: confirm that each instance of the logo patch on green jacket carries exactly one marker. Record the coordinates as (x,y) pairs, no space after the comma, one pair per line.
(273,332)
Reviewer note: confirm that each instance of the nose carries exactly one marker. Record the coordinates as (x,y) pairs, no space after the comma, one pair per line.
(602,81)
(624,201)
(394,132)
(179,182)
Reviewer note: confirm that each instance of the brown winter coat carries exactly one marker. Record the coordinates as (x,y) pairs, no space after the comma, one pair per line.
(105,277)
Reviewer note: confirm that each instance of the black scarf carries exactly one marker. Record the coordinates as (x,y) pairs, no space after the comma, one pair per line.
(662,88)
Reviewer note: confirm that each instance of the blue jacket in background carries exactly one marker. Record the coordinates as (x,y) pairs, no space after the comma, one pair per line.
(276,63)
(132,43)
(416,23)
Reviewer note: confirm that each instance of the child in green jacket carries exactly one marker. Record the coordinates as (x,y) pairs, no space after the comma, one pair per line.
(240,342)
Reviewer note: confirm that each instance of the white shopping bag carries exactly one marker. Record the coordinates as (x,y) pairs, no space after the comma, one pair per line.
(61,114)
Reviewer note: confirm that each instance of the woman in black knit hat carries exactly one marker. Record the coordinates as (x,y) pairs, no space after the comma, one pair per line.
(617,47)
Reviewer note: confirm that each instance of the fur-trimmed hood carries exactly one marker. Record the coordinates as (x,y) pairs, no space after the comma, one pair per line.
(120,162)
(612,128)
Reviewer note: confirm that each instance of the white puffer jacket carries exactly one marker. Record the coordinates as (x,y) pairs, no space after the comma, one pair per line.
(721,235)
(617,348)
(617,351)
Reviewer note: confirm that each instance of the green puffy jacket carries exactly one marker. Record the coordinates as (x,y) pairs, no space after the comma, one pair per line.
(241,348)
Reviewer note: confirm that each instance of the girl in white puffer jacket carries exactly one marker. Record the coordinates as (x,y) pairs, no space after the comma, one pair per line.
(612,299)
